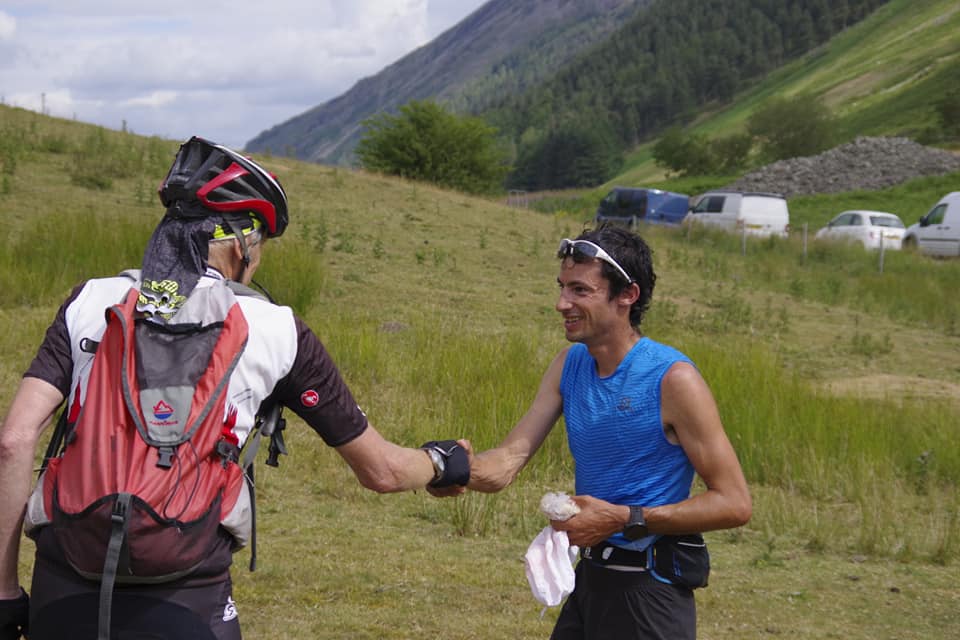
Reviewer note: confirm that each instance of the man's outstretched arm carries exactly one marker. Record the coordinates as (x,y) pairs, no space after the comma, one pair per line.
(496,468)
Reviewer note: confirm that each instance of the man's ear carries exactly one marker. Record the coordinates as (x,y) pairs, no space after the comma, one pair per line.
(238,252)
(630,294)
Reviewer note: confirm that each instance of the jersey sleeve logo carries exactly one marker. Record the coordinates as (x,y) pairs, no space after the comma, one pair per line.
(309,398)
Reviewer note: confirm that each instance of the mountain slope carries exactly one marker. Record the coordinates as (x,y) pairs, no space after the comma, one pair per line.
(481,54)
(880,77)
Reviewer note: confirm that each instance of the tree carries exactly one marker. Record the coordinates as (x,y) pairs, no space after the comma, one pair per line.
(426,142)
(948,112)
(792,127)
(678,151)
(693,154)
(579,153)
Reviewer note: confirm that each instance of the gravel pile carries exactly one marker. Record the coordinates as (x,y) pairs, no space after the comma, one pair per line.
(864,164)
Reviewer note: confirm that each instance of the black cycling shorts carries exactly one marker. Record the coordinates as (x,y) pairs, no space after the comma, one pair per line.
(64,605)
(608,604)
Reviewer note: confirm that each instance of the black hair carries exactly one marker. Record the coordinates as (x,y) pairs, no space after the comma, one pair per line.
(633,254)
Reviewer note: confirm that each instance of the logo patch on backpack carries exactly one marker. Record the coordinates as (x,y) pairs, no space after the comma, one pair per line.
(162,411)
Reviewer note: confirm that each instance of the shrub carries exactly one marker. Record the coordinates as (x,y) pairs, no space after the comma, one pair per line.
(425,142)
(792,127)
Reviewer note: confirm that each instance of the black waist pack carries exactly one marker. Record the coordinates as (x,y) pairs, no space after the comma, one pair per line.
(681,560)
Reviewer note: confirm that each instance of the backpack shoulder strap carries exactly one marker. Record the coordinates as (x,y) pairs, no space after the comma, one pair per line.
(61,432)
(132,274)
(245,291)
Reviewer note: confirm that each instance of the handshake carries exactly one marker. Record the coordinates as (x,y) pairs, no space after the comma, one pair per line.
(451,465)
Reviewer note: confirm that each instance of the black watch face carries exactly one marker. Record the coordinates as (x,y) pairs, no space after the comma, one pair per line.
(635,532)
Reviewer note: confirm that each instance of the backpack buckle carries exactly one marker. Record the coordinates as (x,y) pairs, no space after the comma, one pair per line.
(119,513)
(227,451)
(166,457)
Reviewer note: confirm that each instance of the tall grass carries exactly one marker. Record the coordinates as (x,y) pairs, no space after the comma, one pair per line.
(852,462)
(843,457)
(792,435)
(51,254)
(853,466)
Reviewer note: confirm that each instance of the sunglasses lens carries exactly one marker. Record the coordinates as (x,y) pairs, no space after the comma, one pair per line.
(588,249)
(576,248)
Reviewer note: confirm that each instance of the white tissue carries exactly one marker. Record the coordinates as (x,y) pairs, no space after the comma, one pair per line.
(558,506)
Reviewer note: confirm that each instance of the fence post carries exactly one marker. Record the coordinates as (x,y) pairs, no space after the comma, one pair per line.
(517,198)
(805,242)
(881,251)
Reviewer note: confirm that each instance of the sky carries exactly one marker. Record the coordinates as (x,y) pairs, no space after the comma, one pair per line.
(222,70)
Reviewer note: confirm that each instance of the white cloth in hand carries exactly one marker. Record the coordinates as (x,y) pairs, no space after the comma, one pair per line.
(549,566)
(558,506)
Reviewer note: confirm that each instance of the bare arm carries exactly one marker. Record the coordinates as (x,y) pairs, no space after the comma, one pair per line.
(688,407)
(30,412)
(385,467)
(690,415)
(496,468)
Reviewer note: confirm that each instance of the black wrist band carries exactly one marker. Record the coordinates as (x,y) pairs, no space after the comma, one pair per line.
(456,470)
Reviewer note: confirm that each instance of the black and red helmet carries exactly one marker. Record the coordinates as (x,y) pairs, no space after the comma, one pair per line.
(223,181)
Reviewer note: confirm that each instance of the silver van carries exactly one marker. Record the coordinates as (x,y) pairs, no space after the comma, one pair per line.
(755,213)
(938,232)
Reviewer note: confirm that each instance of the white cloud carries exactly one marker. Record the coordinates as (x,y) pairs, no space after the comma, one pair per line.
(8,25)
(225,70)
(155,99)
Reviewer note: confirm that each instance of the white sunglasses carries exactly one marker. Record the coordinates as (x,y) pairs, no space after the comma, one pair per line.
(570,247)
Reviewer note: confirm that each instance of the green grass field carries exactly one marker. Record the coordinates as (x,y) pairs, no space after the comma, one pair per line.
(839,387)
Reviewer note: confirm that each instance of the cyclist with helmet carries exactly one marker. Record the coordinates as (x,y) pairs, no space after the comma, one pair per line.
(220,209)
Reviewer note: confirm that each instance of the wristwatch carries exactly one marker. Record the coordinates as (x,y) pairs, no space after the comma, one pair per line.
(439,464)
(636,527)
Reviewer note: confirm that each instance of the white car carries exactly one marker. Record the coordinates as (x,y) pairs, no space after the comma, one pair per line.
(938,232)
(868,228)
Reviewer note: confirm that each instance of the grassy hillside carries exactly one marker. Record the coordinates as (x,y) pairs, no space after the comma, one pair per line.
(880,77)
(840,394)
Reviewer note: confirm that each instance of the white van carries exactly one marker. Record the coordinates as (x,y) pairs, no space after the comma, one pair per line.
(938,232)
(758,214)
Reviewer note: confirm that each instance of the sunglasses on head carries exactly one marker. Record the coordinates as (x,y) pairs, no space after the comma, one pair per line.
(588,249)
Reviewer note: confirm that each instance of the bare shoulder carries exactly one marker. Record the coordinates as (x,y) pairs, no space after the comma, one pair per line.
(561,356)
(686,400)
(682,376)
(556,365)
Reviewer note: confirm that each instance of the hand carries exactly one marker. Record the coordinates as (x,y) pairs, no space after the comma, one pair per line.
(453,490)
(14,617)
(597,521)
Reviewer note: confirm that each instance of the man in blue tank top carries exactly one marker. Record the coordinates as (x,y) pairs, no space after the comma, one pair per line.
(640,422)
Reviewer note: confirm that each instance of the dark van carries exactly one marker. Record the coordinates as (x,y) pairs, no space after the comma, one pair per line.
(629,206)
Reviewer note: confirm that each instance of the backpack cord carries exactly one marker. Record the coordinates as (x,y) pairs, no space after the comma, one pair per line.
(263,290)
(253,516)
(269,423)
